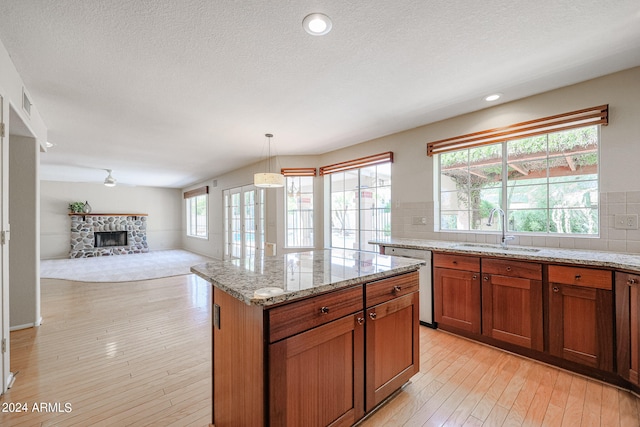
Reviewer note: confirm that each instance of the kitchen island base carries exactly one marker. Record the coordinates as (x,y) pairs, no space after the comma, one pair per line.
(339,355)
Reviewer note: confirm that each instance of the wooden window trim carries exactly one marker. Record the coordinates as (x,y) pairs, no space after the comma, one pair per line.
(375,159)
(581,118)
(298,171)
(196,192)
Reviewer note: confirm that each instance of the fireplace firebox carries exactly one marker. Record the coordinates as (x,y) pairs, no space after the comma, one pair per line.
(105,239)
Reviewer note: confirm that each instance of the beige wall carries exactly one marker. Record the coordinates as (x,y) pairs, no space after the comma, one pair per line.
(24,245)
(162,204)
(412,170)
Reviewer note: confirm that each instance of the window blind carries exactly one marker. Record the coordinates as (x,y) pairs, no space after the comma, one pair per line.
(375,159)
(298,171)
(575,119)
(196,192)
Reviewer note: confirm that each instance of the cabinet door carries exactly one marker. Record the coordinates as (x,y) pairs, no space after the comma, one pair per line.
(512,310)
(457,299)
(581,325)
(393,348)
(317,377)
(628,326)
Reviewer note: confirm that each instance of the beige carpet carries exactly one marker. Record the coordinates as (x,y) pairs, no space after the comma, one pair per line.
(122,268)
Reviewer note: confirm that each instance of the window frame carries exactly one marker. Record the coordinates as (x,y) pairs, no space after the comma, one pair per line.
(191,203)
(362,245)
(505,187)
(287,226)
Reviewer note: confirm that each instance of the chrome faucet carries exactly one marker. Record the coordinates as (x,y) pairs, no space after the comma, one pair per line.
(505,239)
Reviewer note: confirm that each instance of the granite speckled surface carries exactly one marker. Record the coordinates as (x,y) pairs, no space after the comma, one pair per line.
(296,275)
(619,261)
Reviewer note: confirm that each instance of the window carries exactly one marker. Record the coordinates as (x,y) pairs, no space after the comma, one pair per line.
(545,183)
(299,205)
(196,203)
(360,206)
(243,221)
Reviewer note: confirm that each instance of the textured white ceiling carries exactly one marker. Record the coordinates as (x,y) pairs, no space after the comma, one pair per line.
(167,93)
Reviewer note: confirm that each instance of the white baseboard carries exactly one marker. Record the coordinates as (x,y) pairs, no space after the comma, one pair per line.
(25,326)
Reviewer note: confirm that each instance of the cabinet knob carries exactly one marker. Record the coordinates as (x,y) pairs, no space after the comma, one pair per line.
(486,278)
(578,277)
(508,268)
(632,281)
(372,315)
(475,276)
(454,262)
(360,320)
(556,289)
(397,289)
(324,310)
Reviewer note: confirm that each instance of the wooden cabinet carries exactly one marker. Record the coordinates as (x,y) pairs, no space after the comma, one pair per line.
(512,302)
(628,326)
(321,361)
(456,292)
(392,337)
(581,315)
(317,377)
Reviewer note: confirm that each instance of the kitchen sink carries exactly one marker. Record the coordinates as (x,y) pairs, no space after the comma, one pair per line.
(496,247)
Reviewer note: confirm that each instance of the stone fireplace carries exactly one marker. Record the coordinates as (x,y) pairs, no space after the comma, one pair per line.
(95,235)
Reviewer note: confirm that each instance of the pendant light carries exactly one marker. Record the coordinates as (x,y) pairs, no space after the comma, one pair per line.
(268,179)
(109,181)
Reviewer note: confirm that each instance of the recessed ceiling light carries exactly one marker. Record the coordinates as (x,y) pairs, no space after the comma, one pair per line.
(317,24)
(493,97)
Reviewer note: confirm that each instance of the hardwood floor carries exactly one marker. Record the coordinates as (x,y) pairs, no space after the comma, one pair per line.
(463,383)
(138,354)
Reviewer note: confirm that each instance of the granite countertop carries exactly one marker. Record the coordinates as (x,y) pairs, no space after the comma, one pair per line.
(612,260)
(271,280)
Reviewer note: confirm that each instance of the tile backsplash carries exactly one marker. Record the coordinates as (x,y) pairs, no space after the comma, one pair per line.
(406,222)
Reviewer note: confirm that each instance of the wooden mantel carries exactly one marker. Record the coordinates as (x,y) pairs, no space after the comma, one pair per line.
(106,214)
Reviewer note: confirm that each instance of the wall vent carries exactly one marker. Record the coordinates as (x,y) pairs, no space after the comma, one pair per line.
(215,182)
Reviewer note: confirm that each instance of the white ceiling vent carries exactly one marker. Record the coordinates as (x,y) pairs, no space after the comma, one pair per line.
(26,102)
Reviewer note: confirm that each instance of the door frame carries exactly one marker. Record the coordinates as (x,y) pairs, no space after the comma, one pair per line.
(5,372)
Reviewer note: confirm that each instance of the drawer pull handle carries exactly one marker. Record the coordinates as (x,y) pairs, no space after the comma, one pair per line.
(454,262)
(324,310)
(508,268)
(372,315)
(360,320)
(632,281)
(578,277)
(397,289)
(556,289)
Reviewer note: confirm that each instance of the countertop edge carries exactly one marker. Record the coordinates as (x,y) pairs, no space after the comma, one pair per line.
(290,296)
(612,260)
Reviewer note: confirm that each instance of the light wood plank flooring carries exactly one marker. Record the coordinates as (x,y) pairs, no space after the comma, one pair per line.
(138,354)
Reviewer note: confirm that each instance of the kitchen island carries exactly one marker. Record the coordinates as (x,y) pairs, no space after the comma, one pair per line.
(292,335)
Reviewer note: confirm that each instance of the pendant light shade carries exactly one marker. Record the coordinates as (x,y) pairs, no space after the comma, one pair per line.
(110,181)
(268,179)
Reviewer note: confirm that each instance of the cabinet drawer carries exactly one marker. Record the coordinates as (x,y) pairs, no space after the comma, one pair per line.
(393,287)
(290,319)
(580,276)
(504,267)
(457,262)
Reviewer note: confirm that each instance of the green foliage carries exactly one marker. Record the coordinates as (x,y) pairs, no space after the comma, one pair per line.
(76,207)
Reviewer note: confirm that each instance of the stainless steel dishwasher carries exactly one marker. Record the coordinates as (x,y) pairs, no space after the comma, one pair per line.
(426,289)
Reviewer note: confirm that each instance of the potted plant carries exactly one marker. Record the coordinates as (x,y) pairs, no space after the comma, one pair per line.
(76,207)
